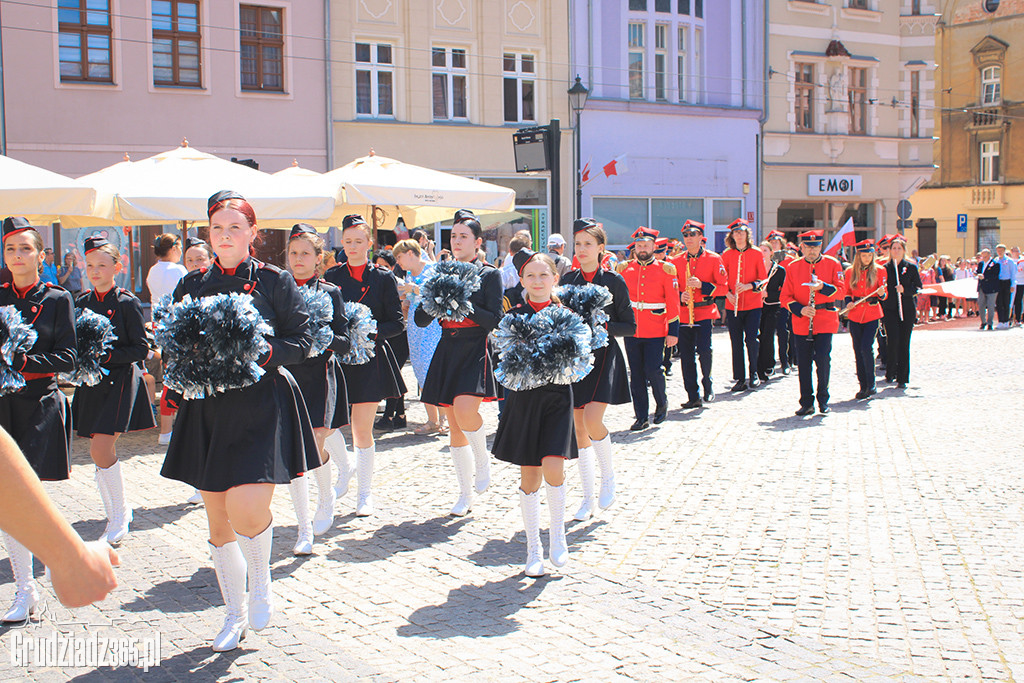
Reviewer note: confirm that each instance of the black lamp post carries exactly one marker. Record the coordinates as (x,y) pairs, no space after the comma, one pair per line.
(577,100)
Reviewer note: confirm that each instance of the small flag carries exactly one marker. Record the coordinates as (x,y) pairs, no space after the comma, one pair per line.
(844,238)
(616,166)
(585,173)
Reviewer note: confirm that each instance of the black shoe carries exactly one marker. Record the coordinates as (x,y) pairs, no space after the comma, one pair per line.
(384,424)
(889,379)
(901,385)
(785,370)
(709,395)
(824,410)
(805,411)
(739,386)
(660,414)
(860,395)
(769,372)
(398,421)
(640,424)
(868,393)
(693,403)
(754,382)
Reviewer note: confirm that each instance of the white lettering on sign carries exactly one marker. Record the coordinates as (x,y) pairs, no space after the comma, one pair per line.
(833,185)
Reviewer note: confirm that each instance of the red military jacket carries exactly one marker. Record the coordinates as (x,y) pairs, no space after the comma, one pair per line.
(654,293)
(796,294)
(870,309)
(707,267)
(752,272)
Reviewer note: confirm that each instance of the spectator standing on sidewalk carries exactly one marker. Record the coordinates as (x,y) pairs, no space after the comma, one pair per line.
(1018,296)
(988,288)
(1007,274)
(556,247)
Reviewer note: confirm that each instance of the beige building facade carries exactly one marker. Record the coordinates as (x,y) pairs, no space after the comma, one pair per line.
(445,84)
(976,197)
(851,99)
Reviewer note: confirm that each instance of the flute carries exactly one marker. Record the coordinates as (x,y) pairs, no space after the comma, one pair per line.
(858,302)
(689,304)
(810,302)
(899,294)
(739,272)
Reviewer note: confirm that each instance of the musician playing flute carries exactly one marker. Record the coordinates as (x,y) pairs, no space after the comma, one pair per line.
(813,284)
(866,282)
(746,276)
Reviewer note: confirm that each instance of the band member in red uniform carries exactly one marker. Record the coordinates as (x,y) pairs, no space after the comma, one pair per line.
(745,275)
(866,283)
(813,284)
(654,292)
(700,273)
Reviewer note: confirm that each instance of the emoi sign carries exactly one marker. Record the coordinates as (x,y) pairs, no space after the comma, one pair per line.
(833,185)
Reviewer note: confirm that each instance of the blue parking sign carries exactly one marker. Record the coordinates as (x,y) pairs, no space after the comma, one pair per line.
(961,223)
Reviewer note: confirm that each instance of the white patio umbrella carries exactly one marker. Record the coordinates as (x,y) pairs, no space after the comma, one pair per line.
(40,195)
(383,189)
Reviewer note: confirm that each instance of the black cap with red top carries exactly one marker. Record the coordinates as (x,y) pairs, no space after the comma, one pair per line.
(15,224)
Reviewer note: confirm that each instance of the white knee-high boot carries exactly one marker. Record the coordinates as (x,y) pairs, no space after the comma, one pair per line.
(478,442)
(462,457)
(364,475)
(230,567)
(338,450)
(323,520)
(26,594)
(558,548)
(586,469)
(299,488)
(530,505)
(256,551)
(603,451)
(119,513)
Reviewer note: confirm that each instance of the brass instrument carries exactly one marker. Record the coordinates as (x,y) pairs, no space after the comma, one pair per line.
(928,263)
(689,304)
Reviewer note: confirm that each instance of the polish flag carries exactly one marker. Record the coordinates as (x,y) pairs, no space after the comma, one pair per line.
(844,238)
(585,173)
(616,166)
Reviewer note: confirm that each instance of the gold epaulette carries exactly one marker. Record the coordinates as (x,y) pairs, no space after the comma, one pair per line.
(669,267)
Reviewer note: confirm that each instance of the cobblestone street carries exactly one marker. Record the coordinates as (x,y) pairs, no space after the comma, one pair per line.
(880,542)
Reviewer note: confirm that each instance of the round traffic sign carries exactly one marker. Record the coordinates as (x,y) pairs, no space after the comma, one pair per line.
(903,209)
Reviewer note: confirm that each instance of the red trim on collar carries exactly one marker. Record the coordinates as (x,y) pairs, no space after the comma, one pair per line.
(357,272)
(22,293)
(301,283)
(104,294)
(538,307)
(589,277)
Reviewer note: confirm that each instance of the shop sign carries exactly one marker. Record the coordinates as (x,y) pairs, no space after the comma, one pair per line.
(833,185)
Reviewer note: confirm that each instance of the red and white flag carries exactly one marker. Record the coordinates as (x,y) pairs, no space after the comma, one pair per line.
(585,173)
(844,238)
(616,166)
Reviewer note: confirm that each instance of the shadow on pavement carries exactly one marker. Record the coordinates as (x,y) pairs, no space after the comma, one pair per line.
(498,552)
(146,519)
(199,592)
(201,664)
(392,539)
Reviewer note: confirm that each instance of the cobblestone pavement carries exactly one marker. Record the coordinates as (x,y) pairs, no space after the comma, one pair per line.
(880,542)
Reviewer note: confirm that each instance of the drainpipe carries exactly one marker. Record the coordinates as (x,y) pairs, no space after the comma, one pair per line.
(3,117)
(327,75)
(763,120)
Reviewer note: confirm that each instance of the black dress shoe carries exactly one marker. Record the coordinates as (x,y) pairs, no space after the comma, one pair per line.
(870,392)
(805,411)
(709,396)
(901,385)
(694,403)
(640,424)
(384,424)
(660,414)
(824,410)
(754,382)
(785,370)
(860,395)
(739,386)
(398,422)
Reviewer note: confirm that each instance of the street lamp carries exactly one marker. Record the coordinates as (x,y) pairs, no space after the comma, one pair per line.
(577,100)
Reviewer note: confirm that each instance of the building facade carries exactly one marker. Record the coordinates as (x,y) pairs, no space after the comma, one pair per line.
(675,100)
(445,84)
(976,197)
(851,102)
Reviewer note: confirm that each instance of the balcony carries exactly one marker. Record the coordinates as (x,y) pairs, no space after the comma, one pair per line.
(985,117)
(986,197)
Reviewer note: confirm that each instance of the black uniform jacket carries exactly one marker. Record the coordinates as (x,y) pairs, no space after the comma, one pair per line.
(377,290)
(621,321)
(50,311)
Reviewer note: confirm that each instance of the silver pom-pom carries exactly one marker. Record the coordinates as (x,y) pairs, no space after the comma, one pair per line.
(589,301)
(362,327)
(446,291)
(160,308)
(321,315)
(16,336)
(95,336)
(553,346)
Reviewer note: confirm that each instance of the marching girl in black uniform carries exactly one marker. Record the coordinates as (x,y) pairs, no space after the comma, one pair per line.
(461,376)
(119,403)
(236,445)
(37,416)
(607,383)
(322,382)
(379,378)
(902,281)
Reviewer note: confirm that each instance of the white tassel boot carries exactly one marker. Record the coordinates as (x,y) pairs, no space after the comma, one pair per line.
(230,567)
(338,450)
(323,520)
(586,468)
(256,551)
(299,488)
(196,498)
(558,548)
(530,504)
(603,451)
(478,442)
(119,514)
(462,457)
(26,594)
(364,475)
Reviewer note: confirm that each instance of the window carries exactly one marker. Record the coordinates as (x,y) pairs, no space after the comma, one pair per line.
(991,5)
(668,215)
(725,211)
(449,83)
(857,94)
(620,217)
(915,104)
(660,61)
(663,6)
(988,234)
(638,5)
(84,41)
(915,7)
(698,7)
(990,162)
(636,60)
(681,60)
(858,4)
(803,105)
(520,85)
(374,79)
(990,85)
(176,42)
(262,48)
(684,7)
(698,62)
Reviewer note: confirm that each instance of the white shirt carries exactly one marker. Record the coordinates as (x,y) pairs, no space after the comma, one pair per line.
(509,276)
(163,278)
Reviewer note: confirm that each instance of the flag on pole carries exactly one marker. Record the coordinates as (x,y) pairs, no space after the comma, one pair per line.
(616,166)
(585,173)
(844,238)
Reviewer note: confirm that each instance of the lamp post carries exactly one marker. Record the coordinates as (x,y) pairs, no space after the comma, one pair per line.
(577,100)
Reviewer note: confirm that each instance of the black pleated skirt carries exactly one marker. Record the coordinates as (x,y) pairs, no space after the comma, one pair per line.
(461,366)
(322,383)
(535,424)
(257,435)
(607,382)
(38,418)
(377,379)
(116,405)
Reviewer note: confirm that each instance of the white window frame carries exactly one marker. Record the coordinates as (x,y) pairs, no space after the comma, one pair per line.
(864,89)
(375,68)
(636,47)
(991,84)
(811,86)
(698,62)
(988,153)
(521,77)
(682,61)
(450,72)
(661,38)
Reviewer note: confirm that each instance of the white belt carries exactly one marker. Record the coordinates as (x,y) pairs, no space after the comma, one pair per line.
(641,306)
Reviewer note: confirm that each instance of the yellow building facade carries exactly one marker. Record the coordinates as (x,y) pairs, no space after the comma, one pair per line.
(976,196)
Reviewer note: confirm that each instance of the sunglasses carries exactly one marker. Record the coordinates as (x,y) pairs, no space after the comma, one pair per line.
(691,233)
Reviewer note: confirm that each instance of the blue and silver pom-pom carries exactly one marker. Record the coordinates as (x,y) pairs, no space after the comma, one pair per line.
(95,335)
(321,315)
(212,344)
(551,347)
(589,302)
(446,291)
(160,308)
(16,336)
(362,329)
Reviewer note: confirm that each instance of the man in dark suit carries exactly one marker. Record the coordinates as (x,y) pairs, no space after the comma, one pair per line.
(988,288)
